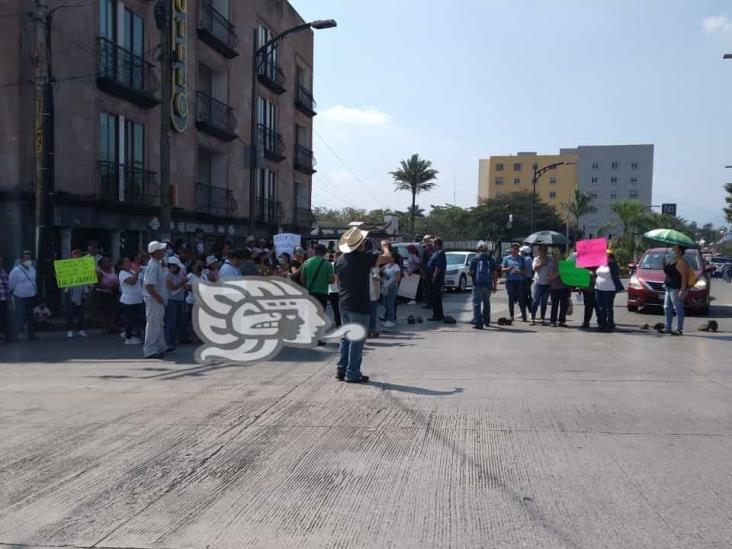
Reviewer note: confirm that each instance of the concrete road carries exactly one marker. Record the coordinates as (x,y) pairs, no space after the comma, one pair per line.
(517,437)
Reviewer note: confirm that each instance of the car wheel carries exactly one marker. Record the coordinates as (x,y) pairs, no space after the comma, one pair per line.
(462,284)
(633,308)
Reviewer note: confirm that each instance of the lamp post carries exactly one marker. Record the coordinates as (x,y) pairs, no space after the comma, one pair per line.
(258,55)
(538,172)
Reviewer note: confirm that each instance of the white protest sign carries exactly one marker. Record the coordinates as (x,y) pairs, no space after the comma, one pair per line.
(286,243)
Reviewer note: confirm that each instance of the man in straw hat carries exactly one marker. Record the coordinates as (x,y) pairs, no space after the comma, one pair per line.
(353,269)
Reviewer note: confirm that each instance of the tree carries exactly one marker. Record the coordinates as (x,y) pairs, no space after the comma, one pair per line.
(491,217)
(631,213)
(450,222)
(418,212)
(728,200)
(415,175)
(339,217)
(581,205)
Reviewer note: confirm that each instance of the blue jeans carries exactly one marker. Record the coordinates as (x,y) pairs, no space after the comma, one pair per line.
(372,315)
(390,304)
(515,289)
(481,296)
(175,321)
(605,304)
(352,351)
(539,296)
(672,302)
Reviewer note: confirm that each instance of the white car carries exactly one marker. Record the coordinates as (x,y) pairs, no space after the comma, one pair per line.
(458,265)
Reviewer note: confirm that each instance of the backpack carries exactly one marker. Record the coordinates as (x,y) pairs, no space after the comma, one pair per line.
(483,271)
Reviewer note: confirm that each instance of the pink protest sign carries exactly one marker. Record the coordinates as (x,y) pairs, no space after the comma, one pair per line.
(592,253)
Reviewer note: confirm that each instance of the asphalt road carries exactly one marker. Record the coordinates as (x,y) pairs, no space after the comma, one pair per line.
(524,436)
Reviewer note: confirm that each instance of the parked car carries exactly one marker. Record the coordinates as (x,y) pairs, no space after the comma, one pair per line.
(646,287)
(401,247)
(458,265)
(718,262)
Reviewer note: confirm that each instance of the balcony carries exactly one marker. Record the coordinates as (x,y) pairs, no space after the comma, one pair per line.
(124,74)
(272,143)
(270,74)
(268,211)
(215,200)
(215,118)
(128,185)
(303,217)
(304,160)
(304,101)
(216,30)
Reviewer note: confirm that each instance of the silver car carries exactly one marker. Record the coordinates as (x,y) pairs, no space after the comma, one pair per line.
(458,265)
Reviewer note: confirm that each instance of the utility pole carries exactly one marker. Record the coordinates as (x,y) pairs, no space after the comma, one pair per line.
(40,62)
(162,21)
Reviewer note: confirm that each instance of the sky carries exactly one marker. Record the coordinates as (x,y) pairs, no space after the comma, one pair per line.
(460,80)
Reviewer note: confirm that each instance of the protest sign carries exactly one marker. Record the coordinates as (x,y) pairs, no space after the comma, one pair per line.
(592,253)
(79,271)
(573,276)
(286,243)
(408,286)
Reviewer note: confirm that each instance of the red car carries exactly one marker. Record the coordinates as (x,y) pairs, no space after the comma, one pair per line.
(646,287)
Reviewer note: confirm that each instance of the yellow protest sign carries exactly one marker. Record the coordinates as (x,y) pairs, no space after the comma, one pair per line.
(75,272)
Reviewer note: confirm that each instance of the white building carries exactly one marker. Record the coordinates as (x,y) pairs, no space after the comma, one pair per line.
(611,173)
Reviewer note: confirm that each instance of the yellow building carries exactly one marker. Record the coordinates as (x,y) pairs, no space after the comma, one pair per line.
(502,175)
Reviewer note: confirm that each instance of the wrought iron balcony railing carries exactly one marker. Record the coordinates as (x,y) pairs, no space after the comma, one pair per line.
(268,211)
(216,30)
(271,142)
(304,160)
(215,200)
(271,74)
(124,74)
(129,185)
(304,101)
(214,117)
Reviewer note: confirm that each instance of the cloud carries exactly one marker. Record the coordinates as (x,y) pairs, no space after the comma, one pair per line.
(716,23)
(369,116)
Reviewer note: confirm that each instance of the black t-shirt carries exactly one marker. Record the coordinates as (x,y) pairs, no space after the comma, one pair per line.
(353,271)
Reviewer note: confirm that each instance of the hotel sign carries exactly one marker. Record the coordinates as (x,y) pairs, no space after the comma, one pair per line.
(179,97)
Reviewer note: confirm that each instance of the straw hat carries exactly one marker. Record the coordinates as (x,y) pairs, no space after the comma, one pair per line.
(427,239)
(351,240)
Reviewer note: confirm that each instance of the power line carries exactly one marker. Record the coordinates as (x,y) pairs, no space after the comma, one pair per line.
(368,191)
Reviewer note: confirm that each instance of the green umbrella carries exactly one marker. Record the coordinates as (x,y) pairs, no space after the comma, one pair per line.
(670,237)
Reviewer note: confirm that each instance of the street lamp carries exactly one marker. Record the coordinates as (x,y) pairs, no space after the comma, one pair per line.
(259,54)
(538,172)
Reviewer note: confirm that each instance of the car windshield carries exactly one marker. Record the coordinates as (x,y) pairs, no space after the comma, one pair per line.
(654,261)
(455,259)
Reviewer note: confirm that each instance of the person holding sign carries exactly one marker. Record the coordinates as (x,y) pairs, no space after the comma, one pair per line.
(76,298)
(514,267)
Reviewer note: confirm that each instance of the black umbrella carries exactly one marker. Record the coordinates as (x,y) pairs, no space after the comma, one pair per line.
(550,238)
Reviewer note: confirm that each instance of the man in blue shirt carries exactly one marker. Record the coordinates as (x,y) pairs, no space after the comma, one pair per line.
(436,268)
(514,267)
(485,276)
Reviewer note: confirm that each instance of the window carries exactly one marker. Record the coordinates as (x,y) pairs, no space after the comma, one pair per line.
(553,180)
(634,165)
(303,78)
(267,186)
(302,136)
(264,36)
(499,181)
(267,113)
(613,180)
(517,166)
(614,165)
(133,35)
(593,196)
(633,194)
(595,166)
(613,209)
(107,19)
(634,180)
(595,180)
(552,194)
(499,167)
(132,151)
(517,181)
(302,195)
(108,134)
(613,196)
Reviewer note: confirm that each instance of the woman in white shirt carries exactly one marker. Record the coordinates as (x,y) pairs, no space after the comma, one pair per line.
(607,284)
(392,275)
(130,299)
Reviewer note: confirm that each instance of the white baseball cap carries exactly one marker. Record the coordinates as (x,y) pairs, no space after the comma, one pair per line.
(155,246)
(173,260)
(525,250)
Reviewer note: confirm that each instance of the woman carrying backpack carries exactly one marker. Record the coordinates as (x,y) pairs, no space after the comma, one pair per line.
(484,274)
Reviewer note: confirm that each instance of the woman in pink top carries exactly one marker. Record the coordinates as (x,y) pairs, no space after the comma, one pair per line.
(105,296)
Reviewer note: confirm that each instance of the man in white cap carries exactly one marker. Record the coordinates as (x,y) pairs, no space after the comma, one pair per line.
(155,298)
(353,270)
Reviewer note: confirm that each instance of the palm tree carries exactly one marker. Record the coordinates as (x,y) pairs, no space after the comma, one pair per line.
(631,214)
(418,212)
(415,175)
(581,205)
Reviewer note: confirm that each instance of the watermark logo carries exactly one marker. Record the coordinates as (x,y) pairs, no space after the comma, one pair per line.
(253,318)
